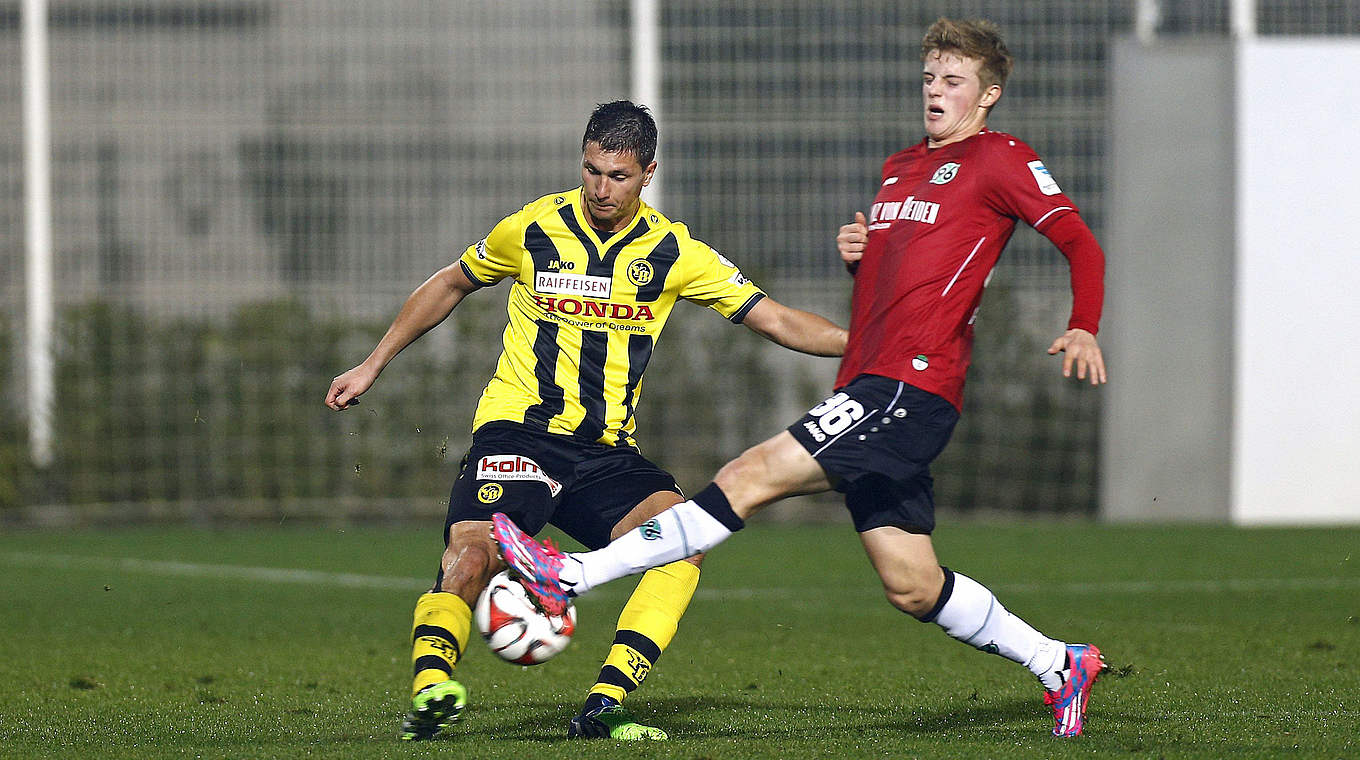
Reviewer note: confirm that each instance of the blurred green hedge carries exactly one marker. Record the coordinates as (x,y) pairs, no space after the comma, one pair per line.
(206,416)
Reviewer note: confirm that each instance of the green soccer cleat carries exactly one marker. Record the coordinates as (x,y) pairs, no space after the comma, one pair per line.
(604,718)
(433,709)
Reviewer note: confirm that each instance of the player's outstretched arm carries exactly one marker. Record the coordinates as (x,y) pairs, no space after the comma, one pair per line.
(851,239)
(1080,350)
(426,307)
(1087,262)
(796,329)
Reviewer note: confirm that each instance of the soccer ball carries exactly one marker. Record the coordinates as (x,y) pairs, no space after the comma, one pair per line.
(515,628)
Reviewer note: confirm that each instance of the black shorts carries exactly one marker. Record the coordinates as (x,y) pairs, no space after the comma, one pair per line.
(879,436)
(538,478)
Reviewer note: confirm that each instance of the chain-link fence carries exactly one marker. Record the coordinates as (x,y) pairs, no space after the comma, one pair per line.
(244,191)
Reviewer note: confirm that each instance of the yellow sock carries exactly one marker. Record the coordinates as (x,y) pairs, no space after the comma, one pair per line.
(646,627)
(439,634)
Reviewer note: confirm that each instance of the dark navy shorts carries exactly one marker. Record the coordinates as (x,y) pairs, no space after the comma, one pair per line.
(538,478)
(876,437)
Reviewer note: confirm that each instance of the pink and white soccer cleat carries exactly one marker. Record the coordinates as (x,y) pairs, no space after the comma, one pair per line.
(538,564)
(1084,665)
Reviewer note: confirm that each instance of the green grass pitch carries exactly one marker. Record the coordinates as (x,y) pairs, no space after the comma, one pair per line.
(293,643)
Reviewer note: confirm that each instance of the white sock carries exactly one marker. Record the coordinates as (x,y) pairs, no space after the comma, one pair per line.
(974,616)
(681,531)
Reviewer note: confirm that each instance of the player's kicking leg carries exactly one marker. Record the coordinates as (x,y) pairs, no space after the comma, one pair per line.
(767,472)
(770,471)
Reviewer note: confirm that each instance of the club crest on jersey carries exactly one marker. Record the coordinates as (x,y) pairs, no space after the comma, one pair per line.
(945,173)
(651,530)
(490,493)
(920,362)
(640,272)
(513,467)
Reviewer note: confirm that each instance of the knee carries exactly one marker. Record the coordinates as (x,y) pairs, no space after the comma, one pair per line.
(746,480)
(467,564)
(750,466)
(915,594)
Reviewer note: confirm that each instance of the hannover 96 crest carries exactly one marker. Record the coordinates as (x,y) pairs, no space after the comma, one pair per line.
(945,173)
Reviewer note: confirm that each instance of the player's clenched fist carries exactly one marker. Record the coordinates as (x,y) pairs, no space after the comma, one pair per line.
(851,239)
(346,389)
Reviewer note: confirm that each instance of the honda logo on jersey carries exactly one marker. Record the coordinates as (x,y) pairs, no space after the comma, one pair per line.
(602,309)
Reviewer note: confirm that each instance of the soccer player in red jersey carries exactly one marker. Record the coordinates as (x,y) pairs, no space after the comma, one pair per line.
(944,211)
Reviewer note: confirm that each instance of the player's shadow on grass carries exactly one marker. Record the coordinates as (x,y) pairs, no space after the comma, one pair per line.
(811,721)
(728,716)
(547,721)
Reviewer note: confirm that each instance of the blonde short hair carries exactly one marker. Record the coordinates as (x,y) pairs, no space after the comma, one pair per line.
(971,38)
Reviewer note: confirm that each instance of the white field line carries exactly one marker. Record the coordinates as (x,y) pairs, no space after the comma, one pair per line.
(414,584)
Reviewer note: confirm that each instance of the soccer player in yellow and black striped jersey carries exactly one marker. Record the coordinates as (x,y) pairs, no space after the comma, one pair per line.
(594,273)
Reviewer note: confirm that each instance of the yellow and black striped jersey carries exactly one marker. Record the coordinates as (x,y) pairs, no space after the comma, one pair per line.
(586,308)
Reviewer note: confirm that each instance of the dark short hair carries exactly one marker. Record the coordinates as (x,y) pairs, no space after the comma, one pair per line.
(971,38)
(623,127)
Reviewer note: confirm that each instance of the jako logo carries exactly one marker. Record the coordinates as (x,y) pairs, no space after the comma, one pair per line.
(574,307)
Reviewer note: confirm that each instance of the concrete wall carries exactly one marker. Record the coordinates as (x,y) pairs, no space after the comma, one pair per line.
(1167,329)
(1233,282)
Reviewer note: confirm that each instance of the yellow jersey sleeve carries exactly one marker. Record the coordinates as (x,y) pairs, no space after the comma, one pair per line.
(714,281)
(498,255)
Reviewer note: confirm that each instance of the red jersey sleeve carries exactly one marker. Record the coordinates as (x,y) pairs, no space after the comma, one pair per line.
(1025,189)
(1087,262)
(1021,186)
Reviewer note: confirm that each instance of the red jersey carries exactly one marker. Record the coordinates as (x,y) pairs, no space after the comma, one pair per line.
(936,228)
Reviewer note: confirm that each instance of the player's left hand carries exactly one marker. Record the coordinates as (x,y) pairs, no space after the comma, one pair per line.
(1080,348)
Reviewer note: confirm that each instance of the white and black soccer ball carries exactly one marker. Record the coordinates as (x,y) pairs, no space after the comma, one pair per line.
(515,628)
